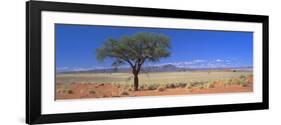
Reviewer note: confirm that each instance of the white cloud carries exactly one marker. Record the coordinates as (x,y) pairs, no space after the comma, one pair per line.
(197,63)
(219,60)
(182,64)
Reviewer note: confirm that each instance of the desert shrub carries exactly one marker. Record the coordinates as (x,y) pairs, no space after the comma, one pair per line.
(59,91)
(201,87)
(177,85)
(124,93)
(143,87)
(189,86)
(117,85)
(181,85)
(210,85)
(166,85)
(65,90)
(243,82)
(226,82)
(242,77)
(231,82)
(69,91)
(244,85)
(152,87)
(161,89)
(171,85)
(196,84)
(92,92)
(130,89)
(157,85)
(235,82)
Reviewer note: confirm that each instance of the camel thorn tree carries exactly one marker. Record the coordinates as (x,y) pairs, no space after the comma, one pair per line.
(135,50)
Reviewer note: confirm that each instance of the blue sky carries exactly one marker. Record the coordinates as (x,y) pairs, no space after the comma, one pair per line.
(76,45)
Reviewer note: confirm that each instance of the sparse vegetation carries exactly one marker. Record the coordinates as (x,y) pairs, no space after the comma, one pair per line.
(171,85)
(242,77)
(161,89)
(244,85)
(189,86)
(92,92)
(181,84)
(124,93)
(59,91)
(143,87)
(210,85)
(130,89)
(153,78)
(152,87)
(69,91)
(154,82)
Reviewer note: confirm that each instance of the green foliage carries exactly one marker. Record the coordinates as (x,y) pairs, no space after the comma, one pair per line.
(135,49)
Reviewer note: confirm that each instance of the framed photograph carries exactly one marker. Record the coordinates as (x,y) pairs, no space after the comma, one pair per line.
(95,62)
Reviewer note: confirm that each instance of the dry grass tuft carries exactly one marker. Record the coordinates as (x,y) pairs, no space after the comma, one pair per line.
(92,92)
(124,93)
(161,88)
(152,87)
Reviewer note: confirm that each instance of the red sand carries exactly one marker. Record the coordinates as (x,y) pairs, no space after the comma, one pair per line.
(79,91)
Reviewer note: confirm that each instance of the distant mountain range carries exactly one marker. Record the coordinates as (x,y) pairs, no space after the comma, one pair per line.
(162,68)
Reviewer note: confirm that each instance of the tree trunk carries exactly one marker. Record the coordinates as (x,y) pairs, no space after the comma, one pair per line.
(136,82)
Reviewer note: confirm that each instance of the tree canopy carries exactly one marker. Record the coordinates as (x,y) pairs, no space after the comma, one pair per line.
(135,50)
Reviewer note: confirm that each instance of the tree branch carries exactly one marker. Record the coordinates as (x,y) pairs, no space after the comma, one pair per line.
(128,61)
(139,64)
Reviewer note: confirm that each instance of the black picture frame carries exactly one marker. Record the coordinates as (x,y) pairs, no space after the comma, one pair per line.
(33,61)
